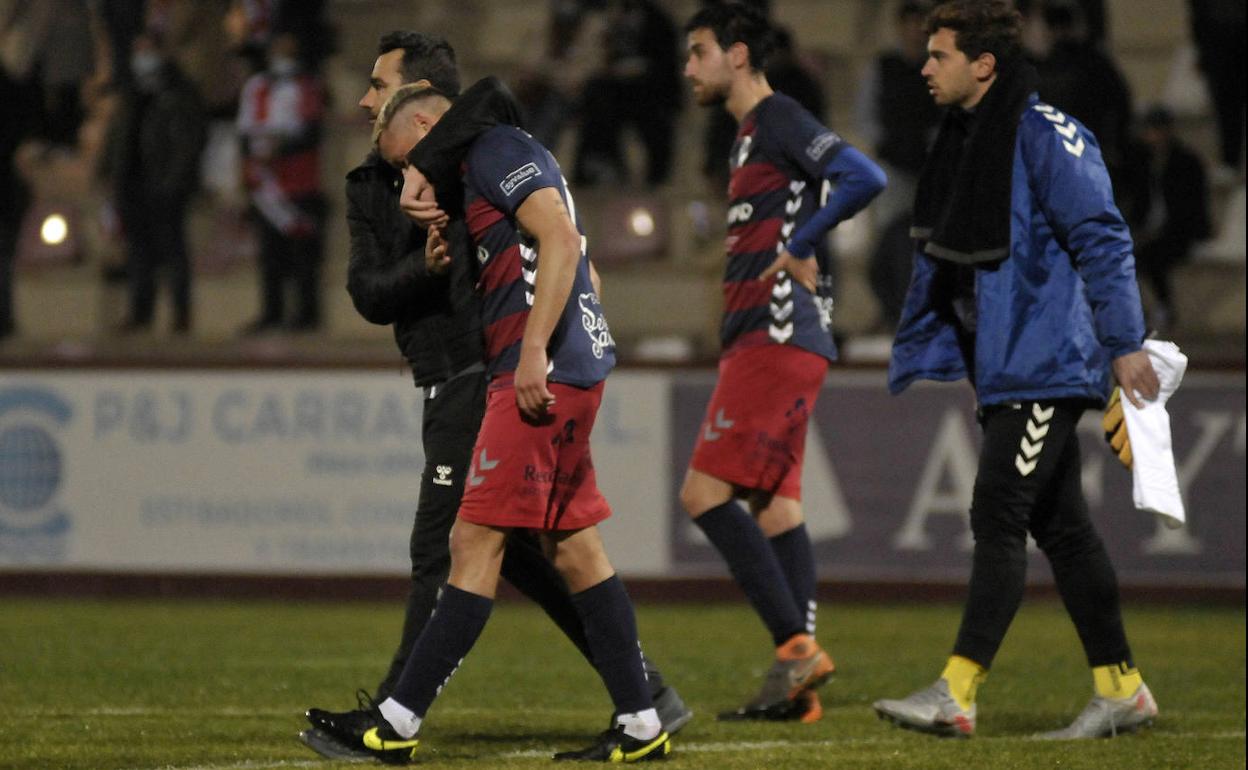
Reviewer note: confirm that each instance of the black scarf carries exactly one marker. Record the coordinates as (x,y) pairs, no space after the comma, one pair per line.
(440,155)
(962,205)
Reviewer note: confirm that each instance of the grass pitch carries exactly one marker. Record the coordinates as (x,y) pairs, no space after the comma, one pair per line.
(222,686)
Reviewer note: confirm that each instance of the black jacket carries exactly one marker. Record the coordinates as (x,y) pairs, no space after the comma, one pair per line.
(437,322)
(152,149)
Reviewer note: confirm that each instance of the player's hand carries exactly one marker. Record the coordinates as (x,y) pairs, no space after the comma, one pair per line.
(804,271)
(532,395)
(1135,375)
(1115,426)
(437,256)
(417,200)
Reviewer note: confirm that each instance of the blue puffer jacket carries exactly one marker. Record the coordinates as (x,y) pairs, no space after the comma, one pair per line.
(1061,306)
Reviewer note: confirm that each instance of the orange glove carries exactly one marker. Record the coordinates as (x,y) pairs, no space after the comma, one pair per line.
(1115,427)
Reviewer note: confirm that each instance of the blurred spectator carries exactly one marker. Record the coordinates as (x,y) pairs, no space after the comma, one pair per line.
(1218,30)
(49,43)
(122,21)
(1079,78)
(280,125)
(897,117)
(15,96)
(1174,214)
(1093,19)
(639,86)
(548,86)
(151,162)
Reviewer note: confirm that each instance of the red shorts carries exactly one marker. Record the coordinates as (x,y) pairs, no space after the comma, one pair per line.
(535,476)
(754,433)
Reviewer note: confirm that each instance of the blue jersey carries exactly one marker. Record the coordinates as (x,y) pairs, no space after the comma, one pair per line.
(777,172)
(504,167)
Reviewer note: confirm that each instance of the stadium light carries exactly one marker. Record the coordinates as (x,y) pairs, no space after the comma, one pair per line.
(641,222)
(54,229)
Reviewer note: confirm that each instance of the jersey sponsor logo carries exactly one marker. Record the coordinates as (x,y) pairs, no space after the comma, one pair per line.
(740,213)
(518,177)
(595,324)
(820,144)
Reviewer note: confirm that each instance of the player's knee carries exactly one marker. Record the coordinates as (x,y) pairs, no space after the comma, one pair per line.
(696,499)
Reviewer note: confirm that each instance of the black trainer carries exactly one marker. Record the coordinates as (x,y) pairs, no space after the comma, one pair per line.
(615,745)
(347,727)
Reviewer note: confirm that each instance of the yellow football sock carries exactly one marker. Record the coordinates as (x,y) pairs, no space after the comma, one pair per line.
(964,677)
(1118,680)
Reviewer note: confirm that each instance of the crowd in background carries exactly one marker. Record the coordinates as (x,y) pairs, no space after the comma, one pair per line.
(150,103)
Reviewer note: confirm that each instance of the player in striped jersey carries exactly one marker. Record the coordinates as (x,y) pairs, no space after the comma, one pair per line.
(791,181)
(548,352)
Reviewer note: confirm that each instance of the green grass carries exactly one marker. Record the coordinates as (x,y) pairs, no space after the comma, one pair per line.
(208,685)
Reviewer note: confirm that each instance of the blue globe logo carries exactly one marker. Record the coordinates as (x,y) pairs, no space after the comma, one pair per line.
(30,468)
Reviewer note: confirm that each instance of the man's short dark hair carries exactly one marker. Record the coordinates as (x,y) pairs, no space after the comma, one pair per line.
(737,23)
(425,57)
(980,26)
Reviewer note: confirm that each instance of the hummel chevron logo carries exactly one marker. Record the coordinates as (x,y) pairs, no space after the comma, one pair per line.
(1029,449)
(721,423)
(782,312)
(1025,468)
(485,464)
(1066,130)
(530,276)
(780,334)
(1036,432)
(1037,428)
(782,289)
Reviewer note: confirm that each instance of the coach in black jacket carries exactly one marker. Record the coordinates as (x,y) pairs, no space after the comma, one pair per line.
(437,326)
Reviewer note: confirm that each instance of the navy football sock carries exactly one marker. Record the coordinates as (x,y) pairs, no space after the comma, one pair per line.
(797,558)
(453,628)
(754,566)
(611,628)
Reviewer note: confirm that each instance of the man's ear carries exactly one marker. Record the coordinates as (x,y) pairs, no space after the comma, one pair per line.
(739,54)
(984,66)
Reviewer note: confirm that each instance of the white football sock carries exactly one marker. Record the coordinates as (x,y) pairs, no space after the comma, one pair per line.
(401,718)
(643,725)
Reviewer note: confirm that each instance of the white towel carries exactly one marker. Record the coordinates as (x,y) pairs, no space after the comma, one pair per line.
(1155,481)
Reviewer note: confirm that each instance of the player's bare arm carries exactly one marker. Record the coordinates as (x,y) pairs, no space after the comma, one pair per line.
(544,216)
(417,199)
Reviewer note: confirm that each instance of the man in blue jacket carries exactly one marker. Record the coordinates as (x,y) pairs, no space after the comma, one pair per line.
(1024,283)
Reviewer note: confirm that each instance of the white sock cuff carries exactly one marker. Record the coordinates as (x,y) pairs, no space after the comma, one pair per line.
(401,718)
(642,725)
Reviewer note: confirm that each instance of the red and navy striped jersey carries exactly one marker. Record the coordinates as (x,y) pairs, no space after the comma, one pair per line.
(504,167)
(776,184)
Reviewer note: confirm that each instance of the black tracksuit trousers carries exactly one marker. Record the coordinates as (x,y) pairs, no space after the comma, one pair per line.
(1029,481)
